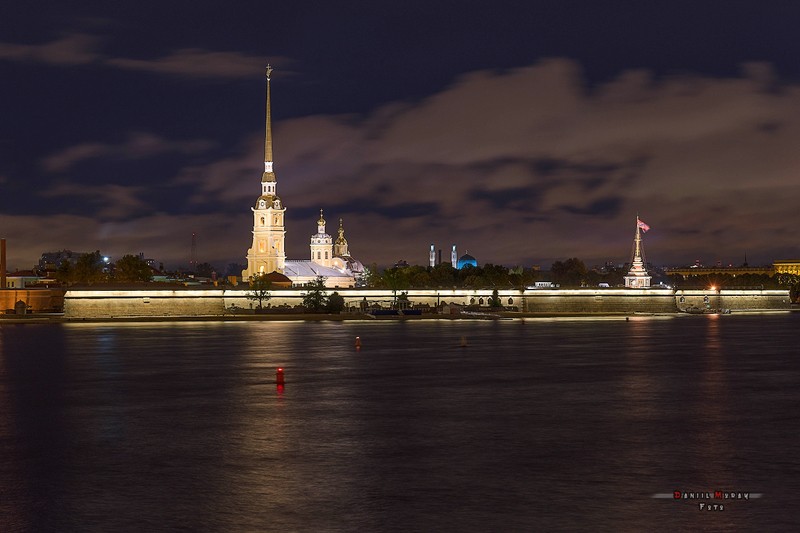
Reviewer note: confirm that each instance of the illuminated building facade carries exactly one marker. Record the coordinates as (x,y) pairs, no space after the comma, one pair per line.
(637,277)
(267,253)
(791,266)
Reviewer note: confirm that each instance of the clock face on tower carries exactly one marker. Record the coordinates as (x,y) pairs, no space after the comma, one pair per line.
(262,204)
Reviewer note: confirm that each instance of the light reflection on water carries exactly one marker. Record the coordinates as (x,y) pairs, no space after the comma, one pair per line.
(538,424)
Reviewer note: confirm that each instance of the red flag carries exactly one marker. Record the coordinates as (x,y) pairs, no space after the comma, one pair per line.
(642,225)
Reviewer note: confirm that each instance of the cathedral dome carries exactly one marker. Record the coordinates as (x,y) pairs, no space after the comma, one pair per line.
(465,260)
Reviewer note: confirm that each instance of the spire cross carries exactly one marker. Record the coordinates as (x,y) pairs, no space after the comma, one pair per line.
(269,70)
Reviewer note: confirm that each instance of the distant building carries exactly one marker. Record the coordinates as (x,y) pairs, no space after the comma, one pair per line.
(466,260)
(637,277)
(22,279)
(334,263)
(50,261)
(267,253)
(787,266)
(688,272)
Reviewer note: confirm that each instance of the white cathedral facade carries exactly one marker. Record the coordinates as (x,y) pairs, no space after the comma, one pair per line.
(267,253)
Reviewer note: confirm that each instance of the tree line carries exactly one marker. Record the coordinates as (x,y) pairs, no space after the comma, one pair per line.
(91,268)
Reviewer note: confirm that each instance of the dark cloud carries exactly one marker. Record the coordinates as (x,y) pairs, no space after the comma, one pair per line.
(82,49)
(138,145)
(604,208)
(525,164)
(69,50)
(199,63)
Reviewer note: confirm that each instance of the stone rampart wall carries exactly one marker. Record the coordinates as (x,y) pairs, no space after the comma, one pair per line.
(217,302)
(742,300)
(110,304)
(36,300)
(106,304)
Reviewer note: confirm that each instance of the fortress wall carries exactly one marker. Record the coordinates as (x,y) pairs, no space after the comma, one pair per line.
(108,304)
(383,297)
(743,300)
(595,301)
(217,302)
(37,300)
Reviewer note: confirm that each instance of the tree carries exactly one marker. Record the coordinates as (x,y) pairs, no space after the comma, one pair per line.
(89,268)
(570,273)
(496,275)
(335,303)
(316,299)
(234,269)
(205,270)
(259,289)
(395,279)
(494,301)
(371,278)
(65,272)
(132,269)
(443,276)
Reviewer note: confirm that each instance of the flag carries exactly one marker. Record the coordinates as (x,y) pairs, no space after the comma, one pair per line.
(642,225)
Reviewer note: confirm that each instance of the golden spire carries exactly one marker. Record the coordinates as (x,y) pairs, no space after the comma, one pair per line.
(269,175)
(321,220)
(341,239)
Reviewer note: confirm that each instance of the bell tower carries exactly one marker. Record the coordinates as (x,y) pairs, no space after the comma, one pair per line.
(267,254)
(637,277)
(340,246)
(321,244)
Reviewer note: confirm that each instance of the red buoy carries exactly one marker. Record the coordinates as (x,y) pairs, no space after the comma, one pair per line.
(279,379)
(358,343)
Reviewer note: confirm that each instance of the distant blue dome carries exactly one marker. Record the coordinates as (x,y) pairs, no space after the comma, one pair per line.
(465,260)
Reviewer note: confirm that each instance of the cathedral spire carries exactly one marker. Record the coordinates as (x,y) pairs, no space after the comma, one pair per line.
(340,246)
(637,276)
(321,223)
(269,175)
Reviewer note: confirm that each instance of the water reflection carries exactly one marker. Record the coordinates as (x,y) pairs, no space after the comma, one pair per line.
(167,426)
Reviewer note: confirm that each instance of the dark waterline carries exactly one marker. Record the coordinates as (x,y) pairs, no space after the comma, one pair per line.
(537,425)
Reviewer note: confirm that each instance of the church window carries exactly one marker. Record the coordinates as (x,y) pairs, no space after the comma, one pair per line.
(276,220)
(326,255)
(510,301)
(263,220)
(261,246)
(319,255)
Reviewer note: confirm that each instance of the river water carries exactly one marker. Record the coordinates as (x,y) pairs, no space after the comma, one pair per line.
(535,425)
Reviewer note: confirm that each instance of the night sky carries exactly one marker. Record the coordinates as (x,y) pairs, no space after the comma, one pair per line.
(524,132)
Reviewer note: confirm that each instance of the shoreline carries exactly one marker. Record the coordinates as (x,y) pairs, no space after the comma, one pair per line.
(345,317)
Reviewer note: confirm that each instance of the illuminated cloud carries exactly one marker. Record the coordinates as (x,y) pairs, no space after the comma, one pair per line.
(555,168)
(161,237)
(199,63)
(73,49)
(523,166)
(81,49)
(112,202)
(138,145)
